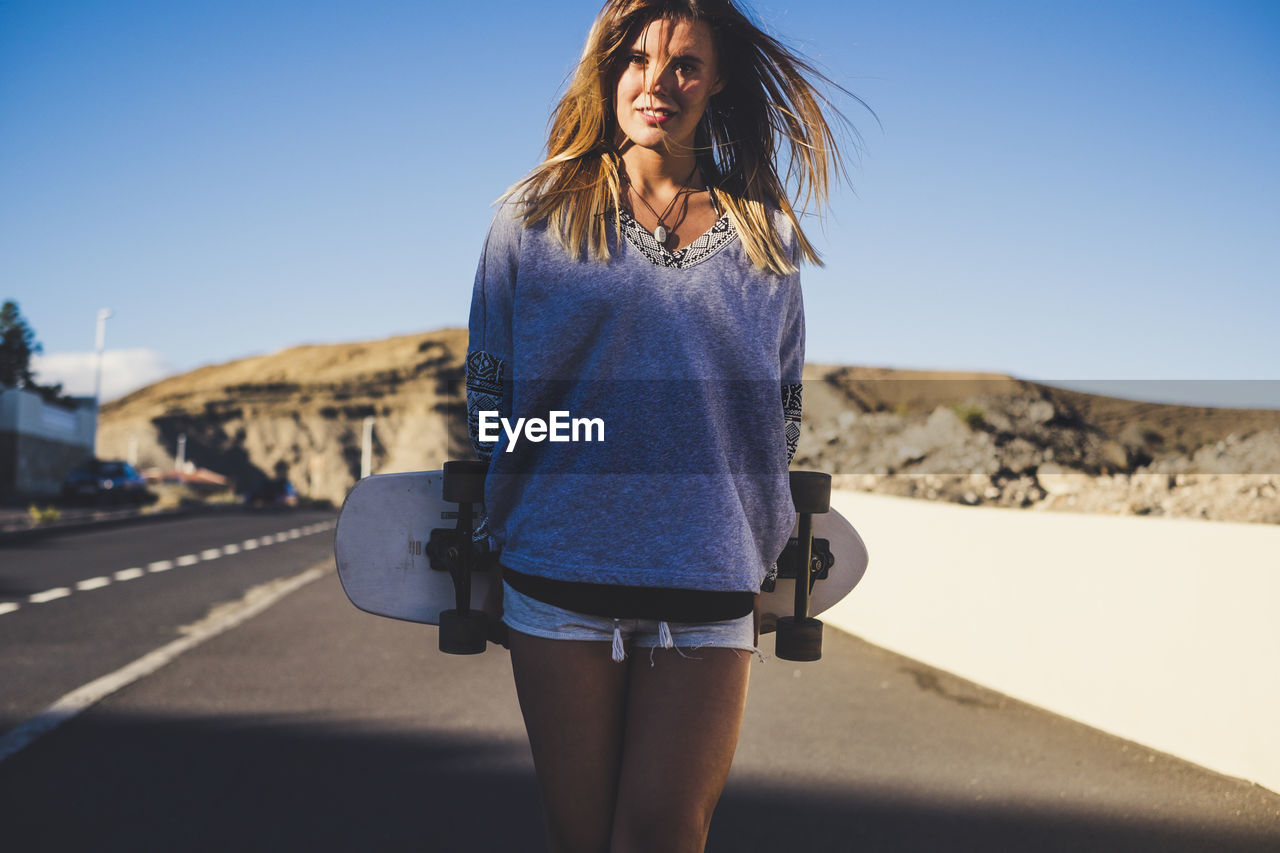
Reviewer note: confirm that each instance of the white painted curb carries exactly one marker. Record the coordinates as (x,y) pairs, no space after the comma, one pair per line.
(1162,631)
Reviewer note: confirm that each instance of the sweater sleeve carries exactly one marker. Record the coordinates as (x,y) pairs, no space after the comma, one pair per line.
(791,358)
(489,341)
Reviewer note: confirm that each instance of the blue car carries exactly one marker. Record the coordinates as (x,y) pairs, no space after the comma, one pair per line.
(100,481)
(278,492)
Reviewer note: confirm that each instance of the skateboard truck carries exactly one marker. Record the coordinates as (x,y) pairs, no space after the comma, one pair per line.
(463,631)
(800,636)
(790,564)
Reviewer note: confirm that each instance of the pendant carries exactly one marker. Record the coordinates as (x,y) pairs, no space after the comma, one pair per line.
(660,234)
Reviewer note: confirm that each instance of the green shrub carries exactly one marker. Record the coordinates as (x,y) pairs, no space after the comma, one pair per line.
(971,415)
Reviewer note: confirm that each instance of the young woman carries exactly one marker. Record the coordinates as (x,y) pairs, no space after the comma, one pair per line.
(644,279)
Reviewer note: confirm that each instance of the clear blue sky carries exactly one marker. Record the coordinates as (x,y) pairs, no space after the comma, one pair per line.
(1065,191)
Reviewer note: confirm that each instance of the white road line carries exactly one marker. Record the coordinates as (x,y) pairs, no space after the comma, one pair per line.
(50,595)
(254,602)
(165,565)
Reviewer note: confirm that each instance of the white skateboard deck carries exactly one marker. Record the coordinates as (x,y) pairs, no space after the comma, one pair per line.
(381,550)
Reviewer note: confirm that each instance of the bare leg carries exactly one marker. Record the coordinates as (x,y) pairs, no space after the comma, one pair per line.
(683,719)
(573,697)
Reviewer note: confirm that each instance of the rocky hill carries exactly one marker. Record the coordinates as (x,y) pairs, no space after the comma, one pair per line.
(300,412)
(992,439)
(971,438)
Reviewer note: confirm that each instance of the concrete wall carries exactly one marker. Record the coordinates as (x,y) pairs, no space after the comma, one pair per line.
(1160,631)
(40,443)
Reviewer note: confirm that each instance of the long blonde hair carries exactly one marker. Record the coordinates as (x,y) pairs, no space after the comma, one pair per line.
(768,103)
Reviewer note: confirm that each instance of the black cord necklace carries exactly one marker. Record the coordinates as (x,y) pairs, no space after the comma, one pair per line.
(660,231)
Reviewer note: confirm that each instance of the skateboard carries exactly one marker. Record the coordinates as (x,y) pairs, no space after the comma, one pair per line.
(404,549)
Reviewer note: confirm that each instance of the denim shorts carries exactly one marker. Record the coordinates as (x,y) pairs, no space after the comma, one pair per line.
(539,619)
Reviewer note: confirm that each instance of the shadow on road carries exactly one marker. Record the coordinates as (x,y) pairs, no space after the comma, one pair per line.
(107,782)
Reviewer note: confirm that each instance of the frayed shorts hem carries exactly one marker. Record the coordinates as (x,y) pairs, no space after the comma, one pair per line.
(539,619)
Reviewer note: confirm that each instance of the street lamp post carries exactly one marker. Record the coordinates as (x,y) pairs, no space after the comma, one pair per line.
(100,344)
(366,449)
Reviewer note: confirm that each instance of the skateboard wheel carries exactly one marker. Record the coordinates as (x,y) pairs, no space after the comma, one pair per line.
(463,633)
(799,640)
(464,482)
(811,491)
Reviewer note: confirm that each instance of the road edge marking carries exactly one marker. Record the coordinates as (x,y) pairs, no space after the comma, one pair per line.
(86,696)
(49,595)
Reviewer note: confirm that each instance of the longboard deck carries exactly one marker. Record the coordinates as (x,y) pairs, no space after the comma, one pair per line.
(387,519)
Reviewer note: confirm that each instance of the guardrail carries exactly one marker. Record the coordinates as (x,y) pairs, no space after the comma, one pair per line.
(1161,631)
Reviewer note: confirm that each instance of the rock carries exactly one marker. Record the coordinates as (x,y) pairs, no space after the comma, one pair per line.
(1056,480)
(1114,456)
(943,425)
(1041,412)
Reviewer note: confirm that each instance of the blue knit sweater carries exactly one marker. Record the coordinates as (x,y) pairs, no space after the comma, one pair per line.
(687,366)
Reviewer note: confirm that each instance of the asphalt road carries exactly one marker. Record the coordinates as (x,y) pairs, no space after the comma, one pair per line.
(104,597)
(315,726)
